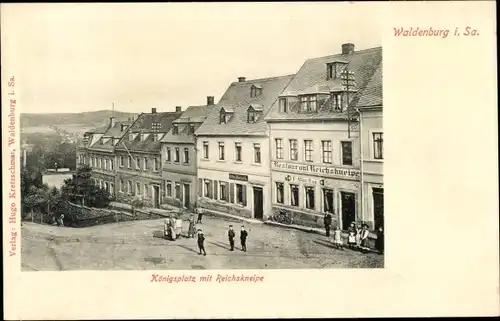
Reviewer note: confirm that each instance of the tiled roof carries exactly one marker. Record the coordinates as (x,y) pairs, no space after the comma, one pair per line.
(98,130)
(106,141)
(193,115)
(146,123)
(366,66)
(237,98)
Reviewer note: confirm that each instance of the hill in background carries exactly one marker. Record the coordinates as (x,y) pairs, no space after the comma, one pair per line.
(89,119)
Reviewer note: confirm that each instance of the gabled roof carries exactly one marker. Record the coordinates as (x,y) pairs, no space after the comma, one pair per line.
(364,64)
(196,115)
(146,123)
(110,134)
(256,107)
(237,96)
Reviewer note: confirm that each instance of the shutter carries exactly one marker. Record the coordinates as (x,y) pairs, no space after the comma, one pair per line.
(200,185)
(231,192)
(244,194)
(215,190)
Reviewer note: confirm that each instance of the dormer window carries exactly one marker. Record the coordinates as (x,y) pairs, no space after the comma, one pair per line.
(225,115)
(255,90)
(222,119)
(175,130)
(155,126)
(308,103)
(336,101)
(251,116)
(283,105)
(191,129)
(333,69)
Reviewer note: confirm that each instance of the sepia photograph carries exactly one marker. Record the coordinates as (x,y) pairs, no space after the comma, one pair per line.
(200,157)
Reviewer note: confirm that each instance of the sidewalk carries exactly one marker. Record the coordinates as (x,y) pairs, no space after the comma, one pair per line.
(231,216)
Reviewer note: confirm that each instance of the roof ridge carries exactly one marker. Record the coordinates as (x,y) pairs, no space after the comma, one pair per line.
(263,79)
(347,55)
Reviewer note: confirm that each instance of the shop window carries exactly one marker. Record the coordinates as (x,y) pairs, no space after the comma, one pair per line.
(178,191)
(328,200)
(309,197)
(294,195)
(280,193)
(224,195)
(240,194)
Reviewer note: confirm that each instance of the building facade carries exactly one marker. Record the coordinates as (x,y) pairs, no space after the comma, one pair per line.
(233,150)
(179,157)
(372,153)
(314,139)
(138,167)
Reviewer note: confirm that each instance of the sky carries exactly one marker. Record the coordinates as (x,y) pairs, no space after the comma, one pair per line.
(84,57)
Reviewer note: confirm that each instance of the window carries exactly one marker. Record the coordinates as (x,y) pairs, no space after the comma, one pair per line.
(294,154)
(308,149)
(129,187)
(330,71)
(177,155)
(205,150)
(328,200)
(336,101)
(254,91)
(294,193)
(100,162)
(175,130)
(221,151)
(326,148)
(206,188)
(178,191)
(191,129)
(186,155)
(240,195)
(251,116)
(279,148)
(138,189)
(138,163)
(237,147)
(283,105)
(224,195)
(256,152)
(309,197)
(222,117)
(106,164)
(280,193)
(130,162)
(155,164)
(146,190)
(122,161)
(168,154)
(308,103)
(346,153)
(378,146)
(112,164)
(121,185)
(169,189)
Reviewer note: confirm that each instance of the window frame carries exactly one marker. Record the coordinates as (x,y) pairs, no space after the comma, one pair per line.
(169,154)
(238,152)
(186,155)
(279,148)
(222,152)
(280,190)
(177,155)
(329,152)
(206,150)
(283,105)
(296,149)
(308,152)
(376,142)
(257,153)
(308,205)
(292,188)
(342,152)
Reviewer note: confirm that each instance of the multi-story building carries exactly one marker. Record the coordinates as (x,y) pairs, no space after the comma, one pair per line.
(179,159)
(89,138)
(233,149)
(372,151)
(315,154)
(139,159)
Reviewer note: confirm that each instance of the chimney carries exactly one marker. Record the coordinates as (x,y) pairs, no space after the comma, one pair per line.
(178,109)
(153,110)
(111,121)
(210,100)
(241,79)
(347,48)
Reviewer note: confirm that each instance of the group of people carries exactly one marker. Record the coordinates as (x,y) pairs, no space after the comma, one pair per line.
(231,234)
(357,235)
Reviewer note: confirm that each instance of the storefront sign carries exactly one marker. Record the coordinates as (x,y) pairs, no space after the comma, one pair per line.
(324,171)
(238,177)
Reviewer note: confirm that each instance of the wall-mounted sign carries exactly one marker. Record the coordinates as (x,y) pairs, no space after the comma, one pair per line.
(238,177)
(324,171)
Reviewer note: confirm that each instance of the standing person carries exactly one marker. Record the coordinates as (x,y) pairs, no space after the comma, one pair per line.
(327,220)
(199,211)
(61,220)
(243,239)
(351,236)
(364,236)
(165,228)
(201,242)
(337,238)
(358,234)
(379,243)
(171,226)
(231,235)
(192,227)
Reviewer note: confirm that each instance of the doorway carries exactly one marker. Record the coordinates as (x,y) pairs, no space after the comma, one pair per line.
(348,208)
(258,206)
(186,196)
(156,196)
(378,207)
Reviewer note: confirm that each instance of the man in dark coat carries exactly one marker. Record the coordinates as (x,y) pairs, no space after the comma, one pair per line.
(243,239)
(379,242)
(231,235)
(201,242)
(327,220)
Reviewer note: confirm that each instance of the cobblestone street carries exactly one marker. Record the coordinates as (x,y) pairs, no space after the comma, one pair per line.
(138,246)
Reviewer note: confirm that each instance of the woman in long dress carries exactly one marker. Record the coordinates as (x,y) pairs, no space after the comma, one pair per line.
(171,227)
(192,226)
(351,236)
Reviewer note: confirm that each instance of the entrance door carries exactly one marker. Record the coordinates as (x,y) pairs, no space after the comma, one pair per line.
(378,207)
(156,196)
(348,208)
(258,206)
(186,196)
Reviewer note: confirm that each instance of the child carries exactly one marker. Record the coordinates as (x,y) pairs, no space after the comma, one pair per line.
(337,238)
(351,238)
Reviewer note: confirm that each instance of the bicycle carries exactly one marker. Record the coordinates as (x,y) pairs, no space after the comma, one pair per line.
(282,217)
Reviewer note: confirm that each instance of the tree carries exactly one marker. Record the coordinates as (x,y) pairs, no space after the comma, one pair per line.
(80,189)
